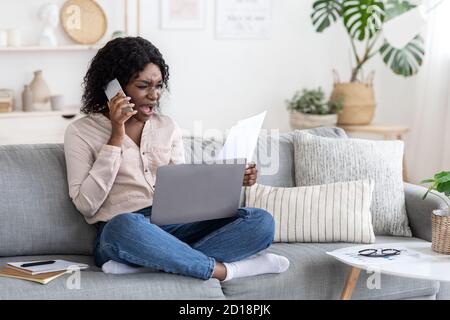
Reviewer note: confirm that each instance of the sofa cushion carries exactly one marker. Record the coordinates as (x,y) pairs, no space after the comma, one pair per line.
(320,160)
(36,213)
(315,275)
(335,212)
(96,285)
(275,155)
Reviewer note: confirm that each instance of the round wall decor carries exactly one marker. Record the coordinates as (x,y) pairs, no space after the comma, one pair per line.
(84,21)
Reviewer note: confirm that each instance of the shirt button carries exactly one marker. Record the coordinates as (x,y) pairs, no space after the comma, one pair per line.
(146,170)
(143,153)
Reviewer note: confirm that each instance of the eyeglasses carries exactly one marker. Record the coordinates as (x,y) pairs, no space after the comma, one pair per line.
(157,89)
(150,89)
(379,252)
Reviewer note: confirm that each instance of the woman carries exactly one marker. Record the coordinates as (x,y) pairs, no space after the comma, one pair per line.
(112,157)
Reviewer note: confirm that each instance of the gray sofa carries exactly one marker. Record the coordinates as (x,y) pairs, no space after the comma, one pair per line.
(39,221)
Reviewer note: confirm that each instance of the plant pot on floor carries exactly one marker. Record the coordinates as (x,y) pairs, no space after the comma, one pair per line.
(299,120)
(358,99)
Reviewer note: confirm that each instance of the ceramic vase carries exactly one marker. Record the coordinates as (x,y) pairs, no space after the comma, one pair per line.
(27,99)
(41,93)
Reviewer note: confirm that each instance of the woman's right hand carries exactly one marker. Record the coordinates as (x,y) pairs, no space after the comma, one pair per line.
(119,102)
(119,117)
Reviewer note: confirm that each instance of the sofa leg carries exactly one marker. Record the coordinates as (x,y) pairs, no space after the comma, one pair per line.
(350,284)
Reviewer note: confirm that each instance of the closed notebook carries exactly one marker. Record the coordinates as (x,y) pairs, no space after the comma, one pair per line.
(42,278)
(58,265)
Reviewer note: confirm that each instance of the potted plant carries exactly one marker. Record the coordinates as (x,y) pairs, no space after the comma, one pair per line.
(440,219)
(363,21)
(309,109)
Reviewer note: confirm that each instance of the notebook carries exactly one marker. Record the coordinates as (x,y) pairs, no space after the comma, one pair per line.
(42,278)
(58,265)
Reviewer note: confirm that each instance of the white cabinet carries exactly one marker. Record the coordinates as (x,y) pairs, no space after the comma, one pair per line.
(35,127)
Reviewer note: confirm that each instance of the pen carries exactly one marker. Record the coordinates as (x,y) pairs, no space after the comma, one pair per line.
(32,264)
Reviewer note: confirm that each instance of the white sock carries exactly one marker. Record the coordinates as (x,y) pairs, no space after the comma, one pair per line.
(115,267)
(265,263)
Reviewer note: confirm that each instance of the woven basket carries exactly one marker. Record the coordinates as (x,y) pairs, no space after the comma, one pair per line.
(300,120)
(358,98)
(440,230)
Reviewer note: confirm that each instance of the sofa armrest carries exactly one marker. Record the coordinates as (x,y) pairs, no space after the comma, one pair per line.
(419,211)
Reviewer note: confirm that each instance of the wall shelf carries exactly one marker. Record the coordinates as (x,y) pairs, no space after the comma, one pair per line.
(58,48)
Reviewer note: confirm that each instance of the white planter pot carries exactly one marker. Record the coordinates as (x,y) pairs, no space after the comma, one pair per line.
(300,120)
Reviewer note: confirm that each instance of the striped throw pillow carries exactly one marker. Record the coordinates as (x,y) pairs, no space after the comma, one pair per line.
(335,212)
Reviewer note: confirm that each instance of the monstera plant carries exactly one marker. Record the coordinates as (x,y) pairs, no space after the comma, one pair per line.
(363,21)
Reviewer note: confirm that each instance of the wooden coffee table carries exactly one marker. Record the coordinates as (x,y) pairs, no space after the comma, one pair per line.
(421,263)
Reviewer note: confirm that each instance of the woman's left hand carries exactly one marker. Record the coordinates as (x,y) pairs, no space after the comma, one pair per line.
(250,175)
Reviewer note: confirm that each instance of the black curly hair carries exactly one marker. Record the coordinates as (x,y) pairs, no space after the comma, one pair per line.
(120,58)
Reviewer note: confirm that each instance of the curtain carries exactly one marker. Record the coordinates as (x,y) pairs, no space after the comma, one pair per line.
(428,146)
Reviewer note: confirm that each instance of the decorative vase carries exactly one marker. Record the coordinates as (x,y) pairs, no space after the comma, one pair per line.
(57,102)
(27,99)
(41,93)
(299,120)
(440,231)
(358,99)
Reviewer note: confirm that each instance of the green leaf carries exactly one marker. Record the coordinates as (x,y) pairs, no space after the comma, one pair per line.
(441,183)
(394,8)
(313,102)
(442,174)
(443,187)
(325,12)
(443,179)
(363,18)
(407,61)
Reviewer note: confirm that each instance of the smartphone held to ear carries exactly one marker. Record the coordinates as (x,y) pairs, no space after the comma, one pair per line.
(112,89)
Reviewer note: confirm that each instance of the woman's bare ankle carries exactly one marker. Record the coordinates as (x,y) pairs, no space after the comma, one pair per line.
(220,271)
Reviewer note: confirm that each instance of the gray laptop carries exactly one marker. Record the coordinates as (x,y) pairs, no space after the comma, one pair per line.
(195,192)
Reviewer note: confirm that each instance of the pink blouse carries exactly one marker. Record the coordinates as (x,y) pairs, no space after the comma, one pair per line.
(106,180)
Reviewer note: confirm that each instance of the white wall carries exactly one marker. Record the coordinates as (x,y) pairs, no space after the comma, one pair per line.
(64,70)
(217,81)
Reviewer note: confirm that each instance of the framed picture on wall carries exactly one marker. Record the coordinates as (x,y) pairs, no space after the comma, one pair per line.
(182,14)
(243,19)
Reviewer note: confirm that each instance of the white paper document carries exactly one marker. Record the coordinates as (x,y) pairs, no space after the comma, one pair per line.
(242,139)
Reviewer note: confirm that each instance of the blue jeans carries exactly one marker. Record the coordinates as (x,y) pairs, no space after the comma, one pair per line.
(189,249)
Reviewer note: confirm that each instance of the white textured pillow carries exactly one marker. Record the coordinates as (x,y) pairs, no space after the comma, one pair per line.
(321,160)
(336,212)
